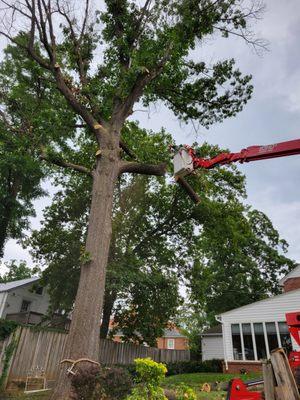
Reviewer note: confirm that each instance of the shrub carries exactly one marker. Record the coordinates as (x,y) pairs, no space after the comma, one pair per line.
(85,383)
(6,328)
(130,368)
(187,367)
(116,383)
(184,392)
(150,375)
(96,383)
(142,392)
(149,371)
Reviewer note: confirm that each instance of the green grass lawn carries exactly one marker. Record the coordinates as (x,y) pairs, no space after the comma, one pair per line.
(200,378)
(196,381)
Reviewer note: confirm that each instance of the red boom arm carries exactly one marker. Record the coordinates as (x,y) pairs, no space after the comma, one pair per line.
(186,160)
(252,153)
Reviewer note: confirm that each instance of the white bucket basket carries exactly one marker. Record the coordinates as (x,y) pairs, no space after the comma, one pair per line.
(183,163)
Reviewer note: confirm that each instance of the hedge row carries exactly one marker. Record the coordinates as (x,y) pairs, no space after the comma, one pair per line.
(188,367)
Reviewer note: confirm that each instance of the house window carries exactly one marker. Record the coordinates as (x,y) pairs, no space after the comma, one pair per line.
(236,342)
(272,335)
(171,344)
(285,337)
(25,306)
(260,341)
(38,290)
(248,342)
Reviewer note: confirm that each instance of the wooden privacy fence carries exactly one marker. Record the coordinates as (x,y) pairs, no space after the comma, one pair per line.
(43,349)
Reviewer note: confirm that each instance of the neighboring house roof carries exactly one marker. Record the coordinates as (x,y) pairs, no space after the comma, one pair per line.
(258,303)
(173,333)
(214,331)
(6,287)
(295,273)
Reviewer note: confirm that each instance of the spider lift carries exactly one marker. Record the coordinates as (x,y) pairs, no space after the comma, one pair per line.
(185,162)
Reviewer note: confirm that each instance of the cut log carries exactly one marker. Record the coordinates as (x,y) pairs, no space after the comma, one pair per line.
(287,388)
(269,381)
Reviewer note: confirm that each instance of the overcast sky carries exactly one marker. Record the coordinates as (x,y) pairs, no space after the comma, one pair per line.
(273,115)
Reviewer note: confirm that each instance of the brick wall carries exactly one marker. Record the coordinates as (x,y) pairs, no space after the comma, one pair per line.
(291,284)
(162,343)
(235,367)
(117,339)
(179,343)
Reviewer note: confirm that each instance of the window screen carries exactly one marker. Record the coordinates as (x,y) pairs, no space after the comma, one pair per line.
(272,335)
(236,342)
(25,306)
(260,341)
(248,342)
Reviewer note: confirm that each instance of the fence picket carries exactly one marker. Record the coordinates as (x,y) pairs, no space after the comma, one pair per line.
(44,349)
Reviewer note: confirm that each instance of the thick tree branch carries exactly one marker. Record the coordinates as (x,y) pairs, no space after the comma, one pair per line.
(127,150)
(143,169)
(123,110)
(65,164)
(41,18)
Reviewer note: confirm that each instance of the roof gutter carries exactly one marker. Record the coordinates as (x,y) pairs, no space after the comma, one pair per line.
(218,318)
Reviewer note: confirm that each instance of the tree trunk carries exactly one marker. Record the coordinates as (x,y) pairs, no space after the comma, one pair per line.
(5,219)
(8,204)
(83,338)
(109,301)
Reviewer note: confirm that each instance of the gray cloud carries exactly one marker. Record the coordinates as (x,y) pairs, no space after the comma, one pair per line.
(272,115)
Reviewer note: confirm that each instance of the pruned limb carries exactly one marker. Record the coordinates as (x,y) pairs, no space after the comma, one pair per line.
(127,150)
(74,362)
(65,164)
(143,169)
(188,189)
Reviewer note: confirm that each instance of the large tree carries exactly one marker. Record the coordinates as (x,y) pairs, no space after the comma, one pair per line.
(103,63)
(154,226)
(144,245)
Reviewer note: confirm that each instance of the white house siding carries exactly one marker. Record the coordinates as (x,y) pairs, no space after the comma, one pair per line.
(39,303)
(212,347)
(3,297)
(269,310)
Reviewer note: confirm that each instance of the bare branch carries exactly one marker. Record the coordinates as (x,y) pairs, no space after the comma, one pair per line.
(143,169)
(141,23)
(65,164)
(256,43)
(127,150)
(86,14)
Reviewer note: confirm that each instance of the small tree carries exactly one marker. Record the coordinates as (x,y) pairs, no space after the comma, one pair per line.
(145,57)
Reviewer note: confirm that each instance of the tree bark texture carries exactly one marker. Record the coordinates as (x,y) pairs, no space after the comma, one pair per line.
(5,219)
(83,338)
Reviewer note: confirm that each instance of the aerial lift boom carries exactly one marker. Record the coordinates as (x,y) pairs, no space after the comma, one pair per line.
(186,161)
